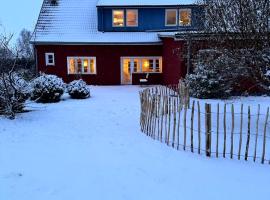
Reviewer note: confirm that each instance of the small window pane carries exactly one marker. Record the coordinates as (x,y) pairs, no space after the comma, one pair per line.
(50,59)
(171,17)
(79,65)
(185,17)
(136,65)
(151,65)
(85,66)
(72,66)
(157,65)
(92,66)
(145,65)
(132,17)
(118,18)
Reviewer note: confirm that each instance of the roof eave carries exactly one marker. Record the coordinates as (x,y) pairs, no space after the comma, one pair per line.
(147,6)
(93,43)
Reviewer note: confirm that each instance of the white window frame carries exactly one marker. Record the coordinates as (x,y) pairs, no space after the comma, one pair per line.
(137,20)
(124,23)
(82,58)
(166,17)
(179,16)
(47,59)
(140,58)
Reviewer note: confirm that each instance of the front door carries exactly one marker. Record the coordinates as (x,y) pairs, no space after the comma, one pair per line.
(126,70)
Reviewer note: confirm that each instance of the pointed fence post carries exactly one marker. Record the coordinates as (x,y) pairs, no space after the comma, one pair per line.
(248,135)
(208,129)
(185,127)
(241,132)
(225,129)
(264,135)
(191,129)
(217,130)
(199,127)
(232,130)
(257,132)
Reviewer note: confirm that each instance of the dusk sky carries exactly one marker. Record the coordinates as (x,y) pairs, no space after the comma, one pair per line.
(18,14)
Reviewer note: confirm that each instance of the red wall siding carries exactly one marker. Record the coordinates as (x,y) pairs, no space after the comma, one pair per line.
(107,58)
(174,66)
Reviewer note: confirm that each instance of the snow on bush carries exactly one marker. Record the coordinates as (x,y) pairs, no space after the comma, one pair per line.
(78,90)
(14,91)
(213,75)
(220,74)
(47,89)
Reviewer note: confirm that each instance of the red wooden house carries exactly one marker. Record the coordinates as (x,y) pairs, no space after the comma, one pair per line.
(113,42)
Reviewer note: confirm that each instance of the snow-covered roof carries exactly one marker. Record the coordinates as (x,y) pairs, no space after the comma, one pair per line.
(73,21)
(144,2)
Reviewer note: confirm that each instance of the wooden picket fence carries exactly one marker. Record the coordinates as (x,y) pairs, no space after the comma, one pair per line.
(228,130)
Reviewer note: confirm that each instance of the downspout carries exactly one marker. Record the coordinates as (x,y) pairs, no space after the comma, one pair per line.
(36,60)
(188,54)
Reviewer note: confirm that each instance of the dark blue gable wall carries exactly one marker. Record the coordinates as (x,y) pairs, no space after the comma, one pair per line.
(150,19)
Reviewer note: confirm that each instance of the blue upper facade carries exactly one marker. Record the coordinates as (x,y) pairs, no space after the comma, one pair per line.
(151,18)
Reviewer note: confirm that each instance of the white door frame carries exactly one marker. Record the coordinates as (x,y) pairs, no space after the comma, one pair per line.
(131,70)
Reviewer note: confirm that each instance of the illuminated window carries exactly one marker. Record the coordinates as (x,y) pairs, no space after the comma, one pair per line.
(49,58)
(171,17)
(143,64)
(118,18)
(81,65)
(132,18)
(185,17)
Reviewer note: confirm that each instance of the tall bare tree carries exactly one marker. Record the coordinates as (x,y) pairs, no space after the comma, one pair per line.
(14,90)
(24,45)
(239,31)
(234,20)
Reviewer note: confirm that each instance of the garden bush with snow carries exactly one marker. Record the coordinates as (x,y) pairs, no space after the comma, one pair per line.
(14,91)
(78,90)
(47,89)
(220,74)
(212,74)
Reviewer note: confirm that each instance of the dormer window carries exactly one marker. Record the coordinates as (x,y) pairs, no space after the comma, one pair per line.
(171,17)
(118,18)
(185,17)
(132,17)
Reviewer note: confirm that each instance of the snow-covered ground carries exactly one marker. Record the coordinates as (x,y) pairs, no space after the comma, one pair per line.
(93,149)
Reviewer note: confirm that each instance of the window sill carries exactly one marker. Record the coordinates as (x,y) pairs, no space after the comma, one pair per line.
(83,74)
(170,25)
(147,72)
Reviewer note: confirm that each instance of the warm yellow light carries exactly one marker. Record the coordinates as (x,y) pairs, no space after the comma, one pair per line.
(71,66)
(85,63)
(146,63)
(118,12)
(118,17)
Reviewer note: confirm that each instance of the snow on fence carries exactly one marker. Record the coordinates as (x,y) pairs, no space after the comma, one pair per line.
(221,130)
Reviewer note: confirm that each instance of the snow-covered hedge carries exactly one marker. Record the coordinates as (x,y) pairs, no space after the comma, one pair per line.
(220,74)
(47,89)
(78,90)
(214,74)
(14,91)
